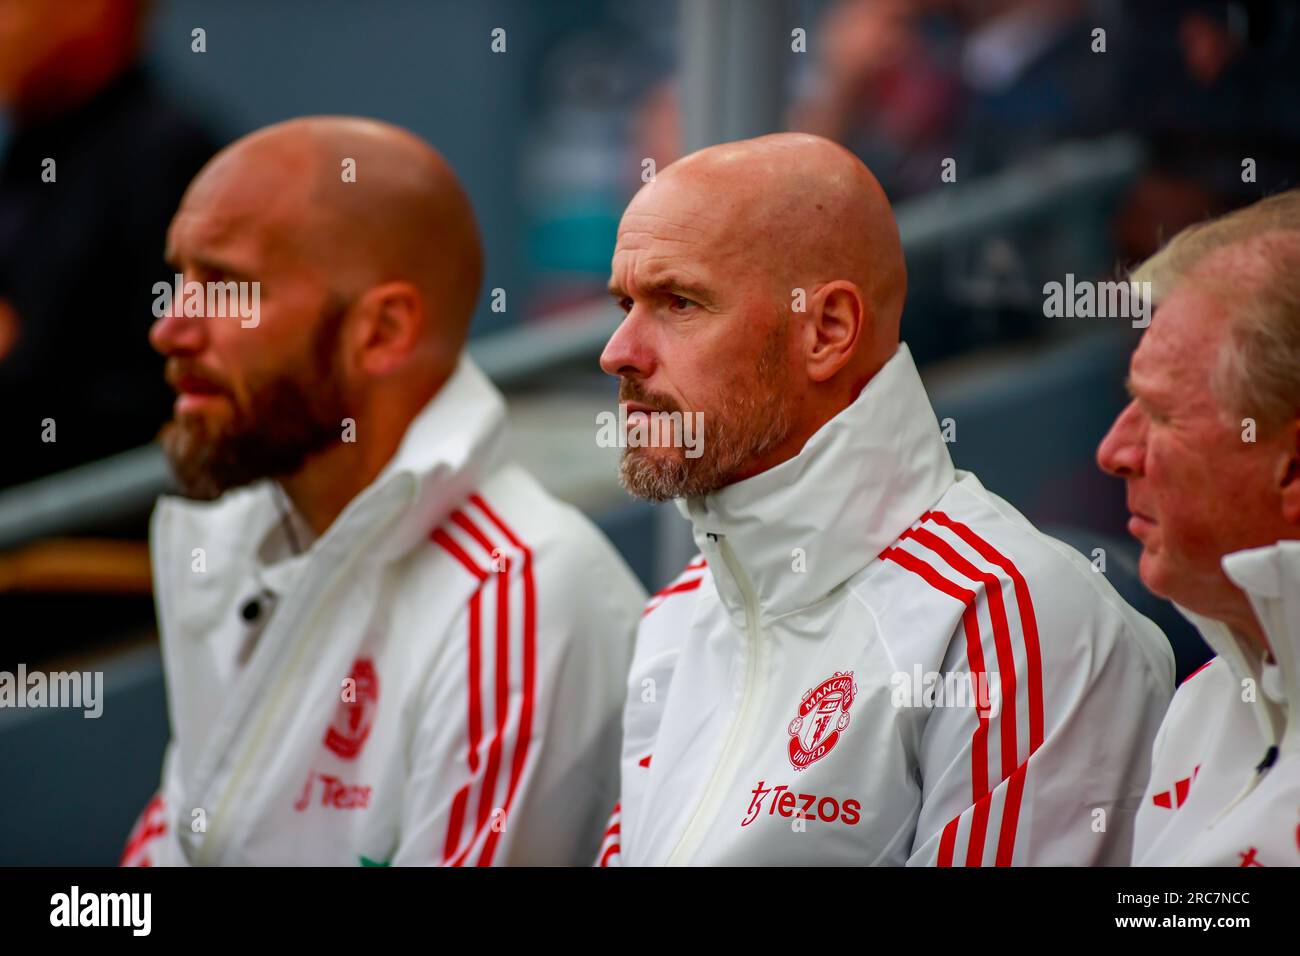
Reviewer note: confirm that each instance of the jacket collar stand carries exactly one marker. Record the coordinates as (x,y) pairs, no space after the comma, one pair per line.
(801,529)
(1270,577)
(454,442)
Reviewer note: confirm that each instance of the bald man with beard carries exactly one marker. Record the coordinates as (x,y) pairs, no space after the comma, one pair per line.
(873,659)
(383,641)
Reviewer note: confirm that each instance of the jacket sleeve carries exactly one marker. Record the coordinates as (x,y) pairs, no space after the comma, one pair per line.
(151,842)
(1049,765)
(514,755)
(608,854)
(970,795)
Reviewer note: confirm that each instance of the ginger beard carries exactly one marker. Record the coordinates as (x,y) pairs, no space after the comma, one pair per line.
(753,416)
(293,415)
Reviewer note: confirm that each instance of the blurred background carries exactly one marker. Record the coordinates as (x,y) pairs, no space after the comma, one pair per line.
(1020,140)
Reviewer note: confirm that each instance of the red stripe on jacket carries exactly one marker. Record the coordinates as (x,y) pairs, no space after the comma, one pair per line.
(530,671)
(980,792)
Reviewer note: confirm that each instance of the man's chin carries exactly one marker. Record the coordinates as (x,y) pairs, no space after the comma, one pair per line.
(655,474)
(204,462)
(1155,575)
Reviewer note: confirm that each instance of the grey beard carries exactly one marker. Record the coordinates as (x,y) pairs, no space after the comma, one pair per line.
(662,478)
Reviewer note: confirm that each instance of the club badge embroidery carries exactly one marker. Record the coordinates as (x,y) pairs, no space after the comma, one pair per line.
(356,712)
(823,715)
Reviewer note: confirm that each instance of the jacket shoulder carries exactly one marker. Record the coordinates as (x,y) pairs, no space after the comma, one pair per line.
(511,522)
(665,619)
(972,542)
(1203,696)
(681,590)
(1068,586)
(565,543)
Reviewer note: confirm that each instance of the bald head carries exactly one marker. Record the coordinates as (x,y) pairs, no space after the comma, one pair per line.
(763,282)
(358,202)
(358,251)
(805,211)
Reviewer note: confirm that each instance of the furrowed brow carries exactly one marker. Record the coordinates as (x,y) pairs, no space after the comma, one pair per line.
(219,268)
(677,285)
(666,285)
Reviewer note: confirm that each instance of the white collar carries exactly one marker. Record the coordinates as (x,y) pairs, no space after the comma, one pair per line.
(1270,577)
(455,441)
(860,481)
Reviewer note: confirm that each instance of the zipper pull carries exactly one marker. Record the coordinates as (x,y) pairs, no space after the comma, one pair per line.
(1270,758)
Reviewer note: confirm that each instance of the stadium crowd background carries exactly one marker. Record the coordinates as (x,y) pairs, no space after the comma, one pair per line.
(1068,159)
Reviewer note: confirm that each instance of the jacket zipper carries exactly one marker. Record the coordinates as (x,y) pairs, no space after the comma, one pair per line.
(733,747)
(1256,777)
(209,848)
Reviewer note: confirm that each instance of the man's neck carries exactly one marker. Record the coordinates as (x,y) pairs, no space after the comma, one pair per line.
(329,480)
(1241,620)
(1250,629)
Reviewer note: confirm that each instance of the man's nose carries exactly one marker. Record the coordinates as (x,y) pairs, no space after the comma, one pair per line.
(1122,451)
(178,334)
(625,353)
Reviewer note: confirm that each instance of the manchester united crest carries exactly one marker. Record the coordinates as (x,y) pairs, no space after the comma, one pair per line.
(823,716)
(356,711)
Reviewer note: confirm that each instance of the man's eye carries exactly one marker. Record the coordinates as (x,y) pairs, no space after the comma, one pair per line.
(679,302)
(625,303)
(1152,414)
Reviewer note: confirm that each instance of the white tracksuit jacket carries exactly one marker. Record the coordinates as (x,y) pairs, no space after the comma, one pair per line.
(1225,781)
(439,682)
(768,718)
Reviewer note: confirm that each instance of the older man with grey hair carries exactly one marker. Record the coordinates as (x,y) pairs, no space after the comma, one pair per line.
(1210,450)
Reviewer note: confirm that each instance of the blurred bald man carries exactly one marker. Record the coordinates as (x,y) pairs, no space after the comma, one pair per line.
(873,660)
(1209,449)
(384,643)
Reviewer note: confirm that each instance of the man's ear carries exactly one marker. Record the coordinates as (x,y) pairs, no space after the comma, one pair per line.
(837,316)
(390,321)
(1290,489)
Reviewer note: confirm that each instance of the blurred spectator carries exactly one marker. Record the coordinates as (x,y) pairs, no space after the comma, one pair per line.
(884,86)
(907,83)
(81,240)
(1214,86)
(1037,72)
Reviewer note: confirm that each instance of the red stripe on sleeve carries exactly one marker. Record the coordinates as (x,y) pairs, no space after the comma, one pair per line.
(1034,667)
(1001,637)
(501,696)
(948,842)
(487,796)
(152,824)
(530,671)
(455,823)
(474,679)
(456,551)
(462,521)
(979,740)
(678,588)
(1028,619)
(474,722)
(1198,670)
